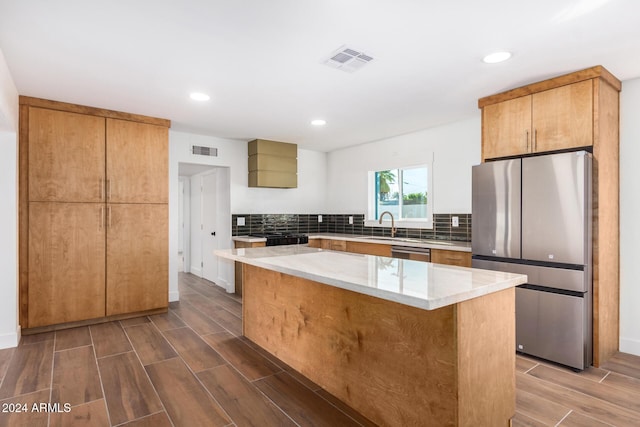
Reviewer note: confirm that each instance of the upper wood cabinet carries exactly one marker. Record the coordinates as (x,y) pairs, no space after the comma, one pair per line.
(66,156)
(554,119)
(506,126)
(73,159)
(137,162)
(556,114)
(563,117)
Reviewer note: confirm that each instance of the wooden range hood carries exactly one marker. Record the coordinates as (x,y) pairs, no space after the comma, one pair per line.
(273,164)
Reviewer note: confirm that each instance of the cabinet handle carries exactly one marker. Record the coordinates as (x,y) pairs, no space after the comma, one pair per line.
(109,216)
(535,140)
(101,189)
(526,139)
(101,218)
(108,190)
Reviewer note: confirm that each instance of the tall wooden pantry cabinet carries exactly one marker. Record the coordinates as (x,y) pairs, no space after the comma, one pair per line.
(579,110)
(93,219)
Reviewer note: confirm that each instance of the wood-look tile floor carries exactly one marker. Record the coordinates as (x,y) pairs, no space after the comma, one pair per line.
(191,367)
(551,395)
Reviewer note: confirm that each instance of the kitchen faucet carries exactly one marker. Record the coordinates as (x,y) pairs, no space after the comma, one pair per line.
(393,226)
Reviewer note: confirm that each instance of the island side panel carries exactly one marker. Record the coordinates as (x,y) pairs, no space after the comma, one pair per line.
(486,359)
(393,363)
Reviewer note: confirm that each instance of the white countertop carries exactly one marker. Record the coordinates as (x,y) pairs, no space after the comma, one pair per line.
(414,283)
(421,243)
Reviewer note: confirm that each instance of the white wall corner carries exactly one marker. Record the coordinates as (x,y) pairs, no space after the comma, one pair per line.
(227,286)
(629,345)
(174,296)
(11,339)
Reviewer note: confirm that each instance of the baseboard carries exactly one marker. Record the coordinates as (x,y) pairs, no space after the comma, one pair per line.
(631,346)
(174,296)
(10,340)
(225,285)
(196,271)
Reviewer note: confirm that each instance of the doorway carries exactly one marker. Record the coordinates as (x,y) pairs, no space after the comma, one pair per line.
(206,221)
(209,234)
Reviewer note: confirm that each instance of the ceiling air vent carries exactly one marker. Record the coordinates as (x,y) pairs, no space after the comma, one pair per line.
(204,151)
(347,59)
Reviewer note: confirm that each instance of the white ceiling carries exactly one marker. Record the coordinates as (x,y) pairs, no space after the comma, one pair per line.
(261,61)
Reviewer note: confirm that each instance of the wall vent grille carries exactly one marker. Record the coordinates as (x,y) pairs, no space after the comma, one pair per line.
(200,150)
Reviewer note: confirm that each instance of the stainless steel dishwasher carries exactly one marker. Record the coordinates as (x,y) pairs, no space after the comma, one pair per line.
(411,252)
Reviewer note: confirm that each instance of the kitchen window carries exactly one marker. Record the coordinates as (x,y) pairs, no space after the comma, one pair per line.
(405,192)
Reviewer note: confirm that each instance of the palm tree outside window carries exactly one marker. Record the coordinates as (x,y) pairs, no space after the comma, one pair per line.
(403,192)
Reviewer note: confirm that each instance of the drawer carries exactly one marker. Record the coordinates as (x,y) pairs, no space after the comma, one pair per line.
(442,256)
(334,245)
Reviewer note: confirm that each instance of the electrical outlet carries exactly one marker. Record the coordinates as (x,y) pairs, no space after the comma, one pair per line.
(454,221)
(351,220)
(240,221)
(319,218)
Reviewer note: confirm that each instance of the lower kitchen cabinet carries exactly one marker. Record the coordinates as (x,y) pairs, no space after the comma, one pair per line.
(66,262)
(88,260)
(442,256)
(137,262)
(369,248)
(334,245)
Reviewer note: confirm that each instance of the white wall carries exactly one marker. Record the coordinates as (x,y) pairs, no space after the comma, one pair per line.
(309,197)
(629,217)
(9,328)
(455,148)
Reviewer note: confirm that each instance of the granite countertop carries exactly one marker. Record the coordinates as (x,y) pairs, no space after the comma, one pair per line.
(414,283)
(421,243)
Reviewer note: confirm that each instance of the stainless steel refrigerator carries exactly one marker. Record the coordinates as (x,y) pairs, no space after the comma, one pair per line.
(533,215)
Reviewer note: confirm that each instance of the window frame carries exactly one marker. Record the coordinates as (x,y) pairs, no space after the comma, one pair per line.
(372,220)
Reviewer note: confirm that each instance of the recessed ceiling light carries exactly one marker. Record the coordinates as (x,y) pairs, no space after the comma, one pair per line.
(318,122)
(496,57)
(197,96)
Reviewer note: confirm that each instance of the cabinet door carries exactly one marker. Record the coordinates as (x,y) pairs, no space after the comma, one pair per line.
(563,117)
(441,256)
(137,162)
(315,243)
(506,128)
(137,257)
(66,262)
(369,248)
(66,156)
(334,245)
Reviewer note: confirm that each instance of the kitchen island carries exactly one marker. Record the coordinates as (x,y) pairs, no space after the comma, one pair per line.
(405,343)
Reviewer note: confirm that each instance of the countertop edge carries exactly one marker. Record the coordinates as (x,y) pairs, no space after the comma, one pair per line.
(450,245)
(375,292)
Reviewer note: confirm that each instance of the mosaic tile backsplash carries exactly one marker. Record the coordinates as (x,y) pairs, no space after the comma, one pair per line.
(339,223)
